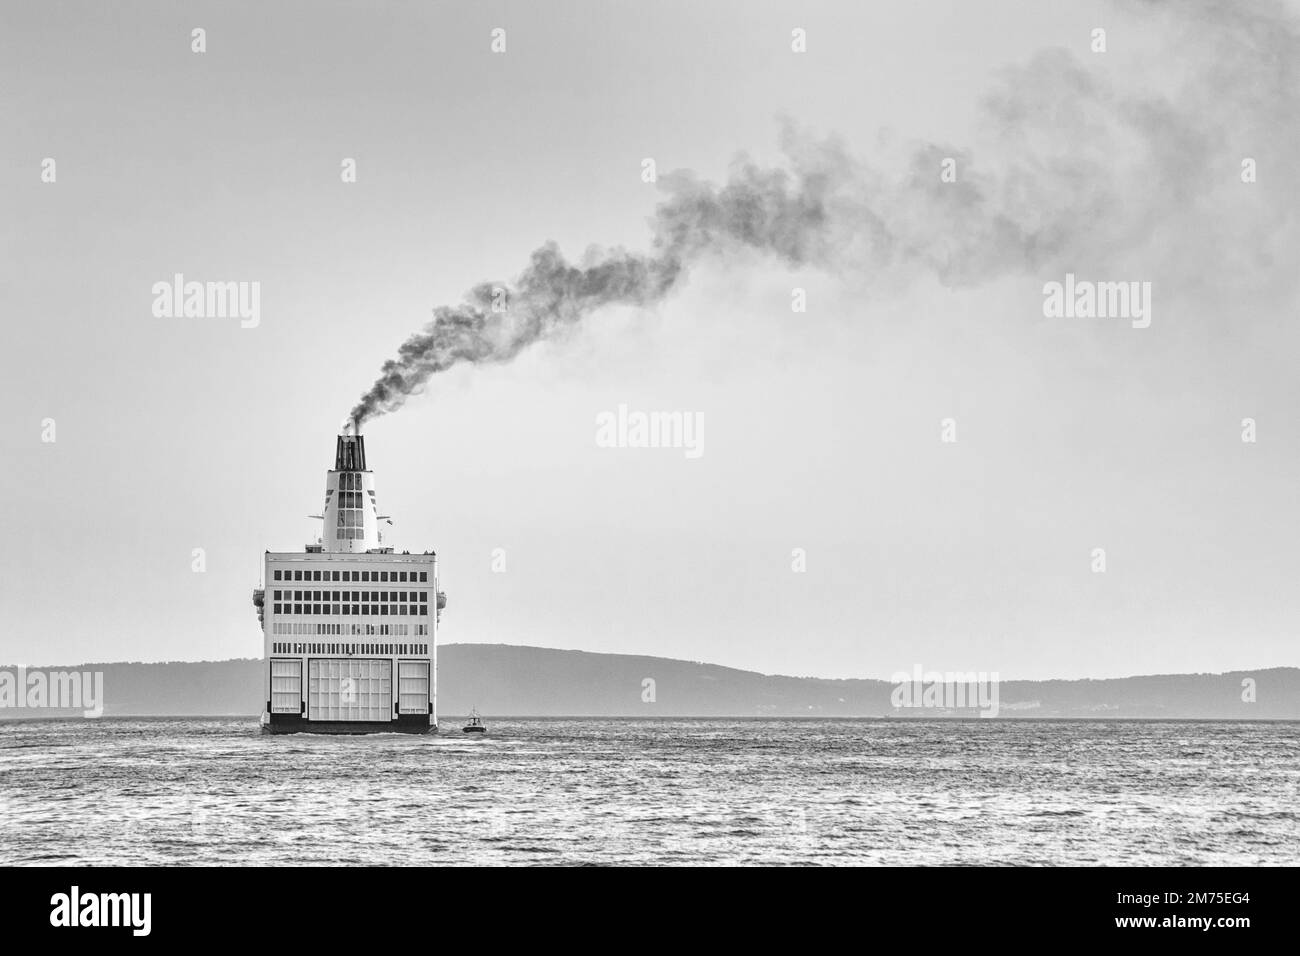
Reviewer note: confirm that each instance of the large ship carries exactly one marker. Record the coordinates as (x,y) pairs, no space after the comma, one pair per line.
(350,627)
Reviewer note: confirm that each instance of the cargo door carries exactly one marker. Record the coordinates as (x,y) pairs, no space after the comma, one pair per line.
(286,687)
(413,687)
(350,690)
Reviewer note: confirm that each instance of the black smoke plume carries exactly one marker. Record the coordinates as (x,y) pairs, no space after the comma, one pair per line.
(1082,168)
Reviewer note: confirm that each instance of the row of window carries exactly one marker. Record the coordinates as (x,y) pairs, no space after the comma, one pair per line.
(329,627)
(398,577)
(360,609)
(366,596)
(287,648)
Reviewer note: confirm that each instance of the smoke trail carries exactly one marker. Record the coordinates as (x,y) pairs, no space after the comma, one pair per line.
(1079,171)
(769,210)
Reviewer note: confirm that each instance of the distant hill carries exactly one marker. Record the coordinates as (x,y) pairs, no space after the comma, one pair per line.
(510,680)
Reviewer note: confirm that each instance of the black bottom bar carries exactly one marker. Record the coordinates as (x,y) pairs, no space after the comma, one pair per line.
(970,908)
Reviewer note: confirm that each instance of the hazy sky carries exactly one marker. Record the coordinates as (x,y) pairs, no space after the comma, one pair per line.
(821,429)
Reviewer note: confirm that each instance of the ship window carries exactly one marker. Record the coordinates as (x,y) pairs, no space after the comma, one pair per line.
(277,609)
(347,609)
(336,575)
(315,608)
(324,608)
(297,609)
(365,575)
(277,575)
(356,609)
(402,577)
(424,609)
(424,595)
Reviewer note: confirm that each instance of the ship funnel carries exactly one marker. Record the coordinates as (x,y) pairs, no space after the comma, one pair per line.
(350,453)
(351,516)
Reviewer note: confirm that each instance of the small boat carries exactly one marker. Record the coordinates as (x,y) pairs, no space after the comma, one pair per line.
(475,725)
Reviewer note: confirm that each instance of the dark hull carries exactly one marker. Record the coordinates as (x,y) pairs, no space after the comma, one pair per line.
(474,730)
(405,724)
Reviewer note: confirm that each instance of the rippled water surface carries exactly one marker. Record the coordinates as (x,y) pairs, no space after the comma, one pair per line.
(656,792)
